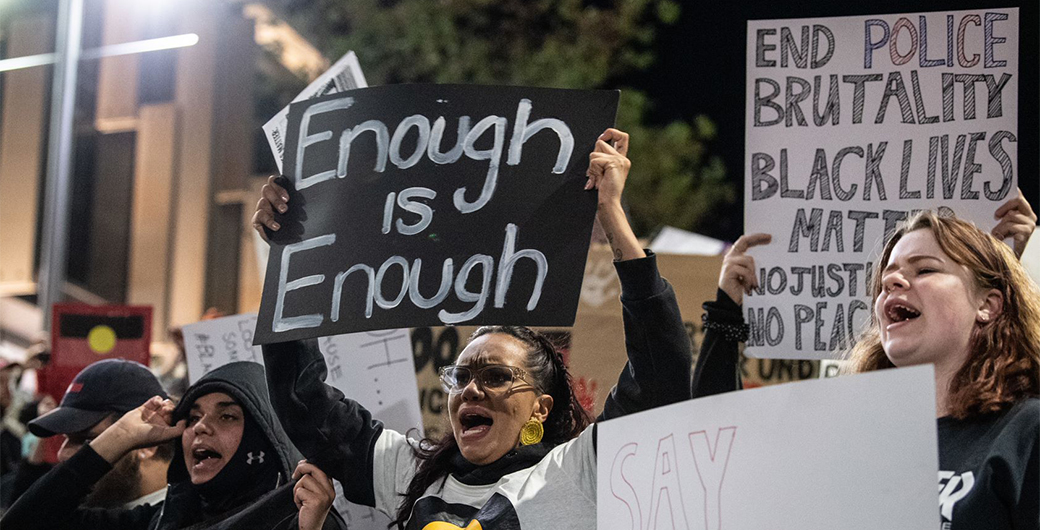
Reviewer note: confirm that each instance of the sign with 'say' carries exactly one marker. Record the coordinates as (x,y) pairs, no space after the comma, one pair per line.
(416,205)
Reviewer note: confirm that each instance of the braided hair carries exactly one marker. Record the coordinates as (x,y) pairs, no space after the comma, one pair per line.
(566,420)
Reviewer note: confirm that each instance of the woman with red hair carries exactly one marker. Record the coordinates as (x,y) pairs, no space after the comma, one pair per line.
(948,294)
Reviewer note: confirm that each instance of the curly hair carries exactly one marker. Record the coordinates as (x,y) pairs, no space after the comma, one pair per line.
(1003,363)
(566,420)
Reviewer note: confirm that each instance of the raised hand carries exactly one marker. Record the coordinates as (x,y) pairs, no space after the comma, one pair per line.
(608,171)
(147,425)
(272,197)
(1017,221)
(313,495)
(738,275)
(608,166)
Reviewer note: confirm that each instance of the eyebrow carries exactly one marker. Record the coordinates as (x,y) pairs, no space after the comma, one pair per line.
(914,259)
(220,405)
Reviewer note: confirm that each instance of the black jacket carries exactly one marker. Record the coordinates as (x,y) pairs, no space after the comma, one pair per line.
(53,502)
(989,466)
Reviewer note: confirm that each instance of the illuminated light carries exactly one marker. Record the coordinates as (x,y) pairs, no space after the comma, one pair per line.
(113,50)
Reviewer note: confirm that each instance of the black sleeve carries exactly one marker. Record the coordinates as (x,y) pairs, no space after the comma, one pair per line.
(25,475)
(335,433)
(53,501)
(717,368)
(659,357)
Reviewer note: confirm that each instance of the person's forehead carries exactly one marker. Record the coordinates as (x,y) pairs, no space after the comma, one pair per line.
(918,242)
(215,400)
(493,348)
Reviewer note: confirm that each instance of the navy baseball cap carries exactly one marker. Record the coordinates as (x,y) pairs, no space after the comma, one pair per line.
(103,388)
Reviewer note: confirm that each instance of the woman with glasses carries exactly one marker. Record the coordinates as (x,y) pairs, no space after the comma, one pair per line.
(521,452)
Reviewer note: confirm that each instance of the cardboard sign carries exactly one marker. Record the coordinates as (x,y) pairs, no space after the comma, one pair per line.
(856,453)
(852,124)
(433,204)
(375,369)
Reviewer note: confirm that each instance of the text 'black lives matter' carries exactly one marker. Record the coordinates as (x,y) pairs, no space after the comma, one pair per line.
(419,205)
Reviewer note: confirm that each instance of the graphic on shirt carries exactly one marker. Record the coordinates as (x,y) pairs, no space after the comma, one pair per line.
(953,488)
(432,513)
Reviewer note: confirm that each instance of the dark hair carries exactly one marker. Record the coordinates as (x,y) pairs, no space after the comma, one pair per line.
(566,420)
(1004,353)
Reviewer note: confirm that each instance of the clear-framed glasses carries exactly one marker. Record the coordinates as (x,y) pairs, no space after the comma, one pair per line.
(491,377)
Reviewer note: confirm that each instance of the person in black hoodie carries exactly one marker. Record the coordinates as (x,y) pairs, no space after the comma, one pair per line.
(232,454)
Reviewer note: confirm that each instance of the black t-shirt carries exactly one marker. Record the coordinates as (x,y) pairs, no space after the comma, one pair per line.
(989,470)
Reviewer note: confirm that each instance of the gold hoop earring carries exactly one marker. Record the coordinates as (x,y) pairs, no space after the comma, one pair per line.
(532,432)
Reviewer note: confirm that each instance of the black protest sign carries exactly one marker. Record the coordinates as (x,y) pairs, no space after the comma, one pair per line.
(417,205)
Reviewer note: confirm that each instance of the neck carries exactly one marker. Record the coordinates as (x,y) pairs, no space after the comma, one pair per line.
(153,475)
(943,377)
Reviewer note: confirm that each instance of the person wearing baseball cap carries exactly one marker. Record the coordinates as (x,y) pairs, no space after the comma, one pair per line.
(99,395)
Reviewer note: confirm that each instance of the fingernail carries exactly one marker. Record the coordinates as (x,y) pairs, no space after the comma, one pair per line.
(285,198)
(275,226)
(282,208)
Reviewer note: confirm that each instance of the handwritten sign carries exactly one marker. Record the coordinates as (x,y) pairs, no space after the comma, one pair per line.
(433,204)
(802,455)
(853,123)
(375,369)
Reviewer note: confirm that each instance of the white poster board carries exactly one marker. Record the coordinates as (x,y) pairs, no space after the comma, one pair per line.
(855,453)
(852,123)
(373,368)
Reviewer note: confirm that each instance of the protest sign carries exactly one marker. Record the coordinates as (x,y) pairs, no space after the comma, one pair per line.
(856,453)
(482,185)
(344,75)
(375,369)
(852,124)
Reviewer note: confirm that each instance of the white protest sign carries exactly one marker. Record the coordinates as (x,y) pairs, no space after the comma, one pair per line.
(373,368)
(344,75)
(855,453)
(851,124)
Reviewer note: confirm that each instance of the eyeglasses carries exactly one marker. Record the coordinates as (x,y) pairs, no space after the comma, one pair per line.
(492,377)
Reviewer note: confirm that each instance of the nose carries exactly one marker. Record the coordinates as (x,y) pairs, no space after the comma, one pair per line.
(201,426)
(894,280)
(68,448)
(472,390)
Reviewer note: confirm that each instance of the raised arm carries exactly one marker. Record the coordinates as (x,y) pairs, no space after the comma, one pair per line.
(659,358)
(53,501)
(717,365)
(335,433)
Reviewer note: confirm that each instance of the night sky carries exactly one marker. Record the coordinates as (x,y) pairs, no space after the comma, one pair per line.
(700,69)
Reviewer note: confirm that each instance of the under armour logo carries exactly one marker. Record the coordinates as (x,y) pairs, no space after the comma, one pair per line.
(258,458)
(953,488)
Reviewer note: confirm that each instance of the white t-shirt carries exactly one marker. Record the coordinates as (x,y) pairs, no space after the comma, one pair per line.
(559,491)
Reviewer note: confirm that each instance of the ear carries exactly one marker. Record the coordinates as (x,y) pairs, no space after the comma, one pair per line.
(146,453)
(542,407)
(991,305)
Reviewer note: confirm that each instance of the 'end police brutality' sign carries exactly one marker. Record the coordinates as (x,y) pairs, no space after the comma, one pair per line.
(852,124)
(433,204)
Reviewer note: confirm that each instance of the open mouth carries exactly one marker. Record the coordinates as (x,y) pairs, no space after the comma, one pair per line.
(899,312)
(202,454)
(472,421)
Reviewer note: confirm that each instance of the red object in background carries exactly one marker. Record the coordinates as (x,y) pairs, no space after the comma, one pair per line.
(82,335)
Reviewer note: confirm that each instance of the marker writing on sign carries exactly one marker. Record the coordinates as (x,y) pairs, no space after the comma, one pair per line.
(388,147)
(373,279)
